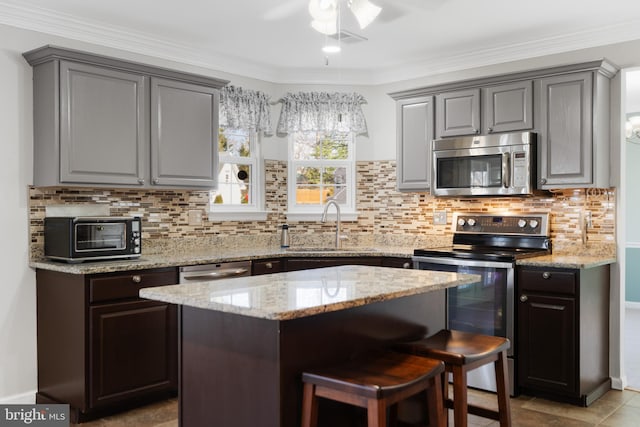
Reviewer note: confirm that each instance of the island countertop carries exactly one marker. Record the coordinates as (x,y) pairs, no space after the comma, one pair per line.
(296,294)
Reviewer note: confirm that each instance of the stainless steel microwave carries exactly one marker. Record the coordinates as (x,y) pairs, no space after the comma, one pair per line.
(488,165)
(76,239)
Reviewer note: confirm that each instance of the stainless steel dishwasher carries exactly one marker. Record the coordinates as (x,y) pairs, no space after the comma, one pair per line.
(223,270)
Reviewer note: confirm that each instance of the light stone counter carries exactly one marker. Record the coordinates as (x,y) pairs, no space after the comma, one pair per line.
(568,261)
(296,294)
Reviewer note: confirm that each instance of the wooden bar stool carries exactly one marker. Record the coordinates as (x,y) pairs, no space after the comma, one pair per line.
(376,383)
(462,352)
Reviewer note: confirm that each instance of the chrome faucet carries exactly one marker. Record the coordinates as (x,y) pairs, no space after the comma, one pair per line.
(324,219)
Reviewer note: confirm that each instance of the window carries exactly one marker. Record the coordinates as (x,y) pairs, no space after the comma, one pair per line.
(321,166)
(240,168)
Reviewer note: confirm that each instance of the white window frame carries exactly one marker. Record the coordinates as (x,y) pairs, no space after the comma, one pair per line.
(243,212)
(305,212)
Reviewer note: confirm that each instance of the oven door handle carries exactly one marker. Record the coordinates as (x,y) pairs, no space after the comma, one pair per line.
(462,262)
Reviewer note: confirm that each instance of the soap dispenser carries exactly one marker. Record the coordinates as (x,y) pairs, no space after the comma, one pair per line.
(284,238)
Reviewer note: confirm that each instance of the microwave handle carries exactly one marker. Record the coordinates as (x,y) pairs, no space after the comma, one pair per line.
(506,169)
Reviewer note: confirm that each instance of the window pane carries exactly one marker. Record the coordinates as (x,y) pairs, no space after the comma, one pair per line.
(234,142)
(307,175)
(306,146)
(334,149)
(337,192)
(308,194)
(234,184)
(333,175)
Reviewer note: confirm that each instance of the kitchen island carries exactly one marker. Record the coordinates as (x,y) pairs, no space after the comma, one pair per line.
(244,342)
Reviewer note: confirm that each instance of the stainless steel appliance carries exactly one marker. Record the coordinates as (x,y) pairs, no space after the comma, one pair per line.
(205,272)
(76,239)
(487,245)
(489,165)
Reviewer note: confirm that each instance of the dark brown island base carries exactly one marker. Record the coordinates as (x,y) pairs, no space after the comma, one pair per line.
(245,342)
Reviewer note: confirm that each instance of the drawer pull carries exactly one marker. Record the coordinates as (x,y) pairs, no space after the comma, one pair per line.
(546,275)
(406,265)
(136,278)
(523,298)
(268,265)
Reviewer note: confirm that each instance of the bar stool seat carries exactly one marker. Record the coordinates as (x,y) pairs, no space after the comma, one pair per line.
(376,383)
(462,352)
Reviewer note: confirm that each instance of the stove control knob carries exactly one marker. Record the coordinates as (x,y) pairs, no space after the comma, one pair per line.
(522,223)
(471,222)
(461,222)
(533,223)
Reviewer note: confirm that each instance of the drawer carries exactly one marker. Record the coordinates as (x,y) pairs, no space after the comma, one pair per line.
(267,267)
(127,285)
(554,281)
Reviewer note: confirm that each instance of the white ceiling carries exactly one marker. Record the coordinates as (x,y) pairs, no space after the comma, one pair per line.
(272,39)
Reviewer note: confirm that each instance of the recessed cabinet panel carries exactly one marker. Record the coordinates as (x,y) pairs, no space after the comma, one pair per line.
(565,141)
(508,107)
(184,138)
(102,132)
(458,113)
(415,132)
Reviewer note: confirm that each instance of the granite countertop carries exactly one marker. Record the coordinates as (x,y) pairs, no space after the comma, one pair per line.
(563,260)
(291,295)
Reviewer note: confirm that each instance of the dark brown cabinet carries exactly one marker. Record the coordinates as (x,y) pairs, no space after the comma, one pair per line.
(397,262)
(101,348)
(563,333)
(294,264)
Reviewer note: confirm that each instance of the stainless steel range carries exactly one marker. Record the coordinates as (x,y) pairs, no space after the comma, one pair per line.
(487,245)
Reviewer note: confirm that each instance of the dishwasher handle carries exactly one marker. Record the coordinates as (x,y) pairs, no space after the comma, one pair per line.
(220,274)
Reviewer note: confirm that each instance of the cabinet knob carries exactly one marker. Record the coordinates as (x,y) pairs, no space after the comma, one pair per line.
(490,130)
(543,181)
(523,298)
(476,131)
(268,265)
(141,181)
(546,275)
(406,265)
(136,279)
(155,180)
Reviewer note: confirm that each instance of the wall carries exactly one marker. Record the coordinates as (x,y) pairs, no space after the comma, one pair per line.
(17,292)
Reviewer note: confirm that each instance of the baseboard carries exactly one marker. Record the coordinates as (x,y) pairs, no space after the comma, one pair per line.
(28,398)
(632,305)
(618,383)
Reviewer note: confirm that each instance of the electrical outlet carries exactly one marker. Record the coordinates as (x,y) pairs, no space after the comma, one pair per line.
(195,217)
(440,217)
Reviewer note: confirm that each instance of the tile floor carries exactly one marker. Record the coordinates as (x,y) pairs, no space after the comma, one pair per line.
(614,409)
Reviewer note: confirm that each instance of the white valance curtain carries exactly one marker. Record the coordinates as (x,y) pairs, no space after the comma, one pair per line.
(245,109)
(322,111)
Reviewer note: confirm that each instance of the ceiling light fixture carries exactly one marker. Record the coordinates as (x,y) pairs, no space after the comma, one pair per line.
(325,14)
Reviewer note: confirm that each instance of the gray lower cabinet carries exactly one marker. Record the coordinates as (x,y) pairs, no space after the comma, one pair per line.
(101,121)
(415,131)
(573,144)
(508,107)
(458,113)
(184,134)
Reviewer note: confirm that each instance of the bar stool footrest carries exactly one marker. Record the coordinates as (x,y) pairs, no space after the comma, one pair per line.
(477,410)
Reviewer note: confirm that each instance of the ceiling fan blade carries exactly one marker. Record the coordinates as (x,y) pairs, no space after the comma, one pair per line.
(284,10)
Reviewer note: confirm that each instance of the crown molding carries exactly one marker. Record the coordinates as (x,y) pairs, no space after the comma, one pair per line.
(67,26)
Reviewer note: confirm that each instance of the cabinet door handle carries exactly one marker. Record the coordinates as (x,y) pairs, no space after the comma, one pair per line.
(136,279)
(490,130)
(546,275)
(523,298)
(543,181)
(406,265)
(156,180)
(268,265)
(476,131)
(141,181)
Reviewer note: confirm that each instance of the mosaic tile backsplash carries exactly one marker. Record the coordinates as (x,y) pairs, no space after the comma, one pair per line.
(391,216)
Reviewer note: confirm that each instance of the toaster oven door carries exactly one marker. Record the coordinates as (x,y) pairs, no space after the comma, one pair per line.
(100,236)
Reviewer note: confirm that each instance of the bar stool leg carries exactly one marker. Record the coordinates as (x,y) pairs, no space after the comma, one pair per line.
(376,413)
(460,404)
(503,390)
(309,406)
(435,403)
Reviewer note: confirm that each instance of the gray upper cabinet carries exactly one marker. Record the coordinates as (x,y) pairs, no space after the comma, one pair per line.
(184,134)
(102,126)
(508,107)
(415,131)
(101,121)
(458,113)
(573,138)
